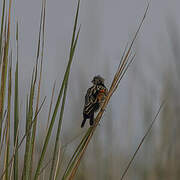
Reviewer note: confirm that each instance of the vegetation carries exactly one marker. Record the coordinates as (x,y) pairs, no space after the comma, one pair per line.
(10,111)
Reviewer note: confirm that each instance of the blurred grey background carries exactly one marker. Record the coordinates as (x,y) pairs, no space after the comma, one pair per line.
(107,26)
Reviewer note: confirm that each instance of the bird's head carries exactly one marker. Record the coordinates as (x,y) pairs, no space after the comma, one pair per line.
(98,80)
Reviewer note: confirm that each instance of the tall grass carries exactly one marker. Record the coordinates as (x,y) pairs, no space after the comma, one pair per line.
(32,104)
(11,161)
(125,62)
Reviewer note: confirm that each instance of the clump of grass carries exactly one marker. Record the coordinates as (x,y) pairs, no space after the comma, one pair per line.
(33,105)
(33,109)
(62,92)
(4,57)
(125,62)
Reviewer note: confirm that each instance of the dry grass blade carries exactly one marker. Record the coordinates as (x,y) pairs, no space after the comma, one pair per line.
(124,71)
(144,137)
(122,68)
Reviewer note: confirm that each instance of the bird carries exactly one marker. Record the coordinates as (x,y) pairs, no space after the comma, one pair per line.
(94,98)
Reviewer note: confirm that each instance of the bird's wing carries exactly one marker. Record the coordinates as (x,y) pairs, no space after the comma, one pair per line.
(87,98)
(90,96)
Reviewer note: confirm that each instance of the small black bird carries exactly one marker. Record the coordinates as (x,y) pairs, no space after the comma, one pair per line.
(95,96)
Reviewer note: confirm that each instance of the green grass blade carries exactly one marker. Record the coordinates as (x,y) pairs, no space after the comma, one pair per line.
(75,155)
(75,25)
(50,107)
(48,134)
(16,110)
(42,25)
(26,169)
(6,176)
(58,132)
(63,147)
(62,111)
(59,96)
(2,25)
(3,132)
(4,69)
(3,88)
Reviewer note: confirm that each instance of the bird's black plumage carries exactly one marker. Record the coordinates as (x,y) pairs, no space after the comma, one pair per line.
(94,97)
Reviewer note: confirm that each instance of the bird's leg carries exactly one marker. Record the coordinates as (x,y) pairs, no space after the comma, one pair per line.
(91,122)
(84,120)
(83,123)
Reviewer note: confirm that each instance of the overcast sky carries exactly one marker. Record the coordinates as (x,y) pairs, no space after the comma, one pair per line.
(107,25)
